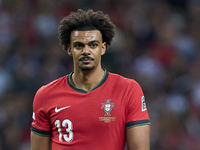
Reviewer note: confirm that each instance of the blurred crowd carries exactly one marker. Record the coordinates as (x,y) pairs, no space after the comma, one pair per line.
(157,43)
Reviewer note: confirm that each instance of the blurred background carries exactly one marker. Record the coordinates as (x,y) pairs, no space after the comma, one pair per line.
(157,43)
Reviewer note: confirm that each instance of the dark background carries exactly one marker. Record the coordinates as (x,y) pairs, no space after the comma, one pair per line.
(157,44)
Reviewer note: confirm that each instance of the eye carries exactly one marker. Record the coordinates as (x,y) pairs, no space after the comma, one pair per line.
(79,46)
(93,45)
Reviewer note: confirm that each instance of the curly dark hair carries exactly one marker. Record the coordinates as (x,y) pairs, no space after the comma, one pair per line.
(83,21)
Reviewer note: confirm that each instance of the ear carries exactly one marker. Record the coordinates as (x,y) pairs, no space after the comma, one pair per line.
(69,50)
(103,50)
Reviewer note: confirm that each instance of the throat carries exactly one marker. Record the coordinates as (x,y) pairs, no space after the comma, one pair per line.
(86,82)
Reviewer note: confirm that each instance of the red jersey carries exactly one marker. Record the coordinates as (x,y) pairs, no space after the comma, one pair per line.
(97,119)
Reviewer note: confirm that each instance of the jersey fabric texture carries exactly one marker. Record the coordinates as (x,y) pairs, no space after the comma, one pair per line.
(97,119)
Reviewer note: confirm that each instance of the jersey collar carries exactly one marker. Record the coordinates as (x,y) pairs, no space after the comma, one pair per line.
(85,91)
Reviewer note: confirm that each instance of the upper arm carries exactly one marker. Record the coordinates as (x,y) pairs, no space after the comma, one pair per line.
(138,137)
(40,142)
(137,119)
(40,127)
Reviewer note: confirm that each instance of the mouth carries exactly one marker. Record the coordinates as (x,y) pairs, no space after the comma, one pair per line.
(86,59)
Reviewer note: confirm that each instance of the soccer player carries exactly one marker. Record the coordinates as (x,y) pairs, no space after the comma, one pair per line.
(91,108)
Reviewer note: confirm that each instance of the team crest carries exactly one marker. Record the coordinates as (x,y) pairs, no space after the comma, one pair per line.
(107,107)
(144,106)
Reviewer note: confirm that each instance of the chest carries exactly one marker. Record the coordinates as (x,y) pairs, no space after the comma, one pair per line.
(75,115)
(86,109)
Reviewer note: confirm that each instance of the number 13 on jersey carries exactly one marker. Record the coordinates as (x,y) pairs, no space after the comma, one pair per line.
(65,124)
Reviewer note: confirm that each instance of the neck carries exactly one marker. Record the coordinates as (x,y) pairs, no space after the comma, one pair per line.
(87,80)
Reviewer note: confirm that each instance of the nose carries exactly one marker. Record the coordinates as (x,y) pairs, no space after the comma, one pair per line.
(86,50)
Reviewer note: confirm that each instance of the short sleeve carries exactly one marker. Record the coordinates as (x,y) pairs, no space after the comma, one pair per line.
(136,113)
(41,123)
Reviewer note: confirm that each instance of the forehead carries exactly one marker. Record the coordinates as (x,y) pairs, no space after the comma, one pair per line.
(86,36)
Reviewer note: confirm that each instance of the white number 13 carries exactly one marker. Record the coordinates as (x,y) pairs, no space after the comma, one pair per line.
(66,123)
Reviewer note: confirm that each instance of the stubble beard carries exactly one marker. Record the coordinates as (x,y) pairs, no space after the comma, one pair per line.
(86,68)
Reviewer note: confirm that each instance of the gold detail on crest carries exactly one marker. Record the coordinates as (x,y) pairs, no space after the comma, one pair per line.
(107,107)
(107,119)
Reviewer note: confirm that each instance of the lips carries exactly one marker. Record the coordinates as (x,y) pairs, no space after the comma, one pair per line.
(86,59)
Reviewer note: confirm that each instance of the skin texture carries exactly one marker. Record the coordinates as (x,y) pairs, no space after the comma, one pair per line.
(86,48)
(40,142)
(138,138)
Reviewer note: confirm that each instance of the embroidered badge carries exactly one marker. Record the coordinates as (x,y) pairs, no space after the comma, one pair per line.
(144,106)
(107,107)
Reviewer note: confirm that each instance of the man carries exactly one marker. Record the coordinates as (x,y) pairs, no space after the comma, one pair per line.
(89,109)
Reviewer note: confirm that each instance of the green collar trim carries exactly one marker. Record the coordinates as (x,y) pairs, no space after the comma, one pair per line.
(86,91)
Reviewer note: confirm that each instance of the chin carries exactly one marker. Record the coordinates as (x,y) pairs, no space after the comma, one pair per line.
(86,68)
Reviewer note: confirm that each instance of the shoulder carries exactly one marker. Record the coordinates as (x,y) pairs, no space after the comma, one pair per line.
(52,86)
(118,79)
(55,84)
(45,92)
(123,84)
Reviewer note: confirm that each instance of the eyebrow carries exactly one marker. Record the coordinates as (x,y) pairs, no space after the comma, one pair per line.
(77,42)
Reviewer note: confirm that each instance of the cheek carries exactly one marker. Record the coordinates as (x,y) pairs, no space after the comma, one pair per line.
(98,55)
(75,57)
(76,53)
(102,52)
